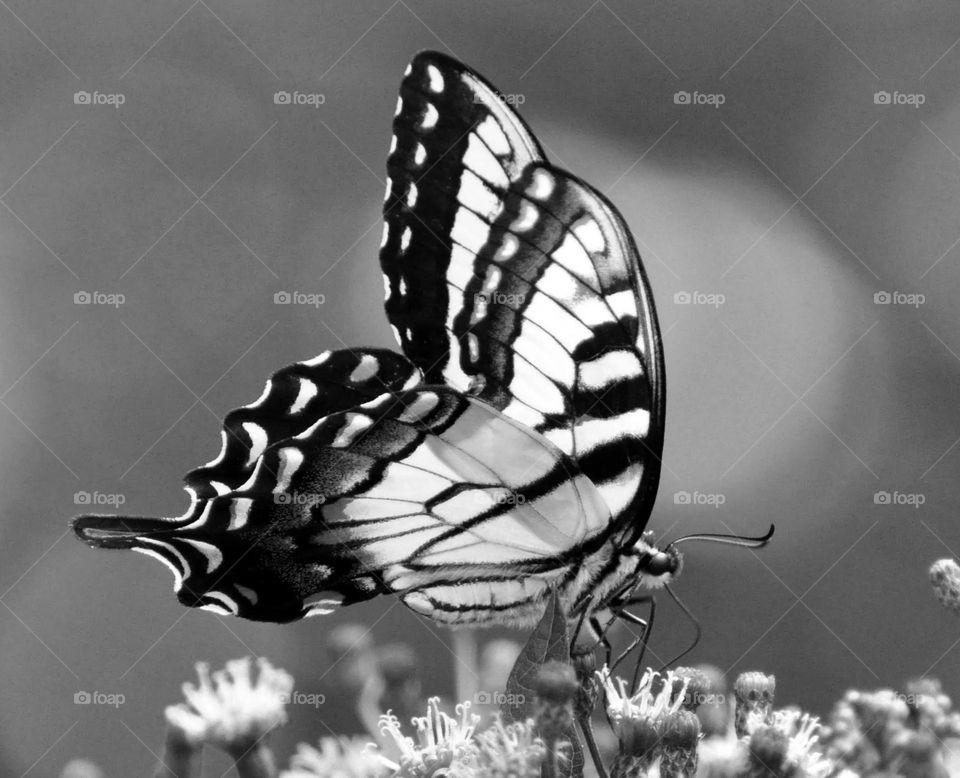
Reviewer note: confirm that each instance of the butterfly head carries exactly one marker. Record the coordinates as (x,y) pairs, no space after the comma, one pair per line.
(659,566)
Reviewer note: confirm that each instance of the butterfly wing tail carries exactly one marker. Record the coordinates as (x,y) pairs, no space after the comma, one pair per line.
(117,531)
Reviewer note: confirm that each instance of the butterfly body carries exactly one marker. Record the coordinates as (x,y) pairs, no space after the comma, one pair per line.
(511,450)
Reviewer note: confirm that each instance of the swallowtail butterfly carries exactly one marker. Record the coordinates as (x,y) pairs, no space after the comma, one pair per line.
(511,451)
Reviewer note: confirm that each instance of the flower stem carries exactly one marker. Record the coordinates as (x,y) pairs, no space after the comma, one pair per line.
(550,765)
(256,762)
(179,757)
(587,728)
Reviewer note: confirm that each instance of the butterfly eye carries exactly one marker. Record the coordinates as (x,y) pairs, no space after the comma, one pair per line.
(666,562)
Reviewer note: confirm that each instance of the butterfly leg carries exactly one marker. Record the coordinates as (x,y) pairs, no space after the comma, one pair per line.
(582,654)
(602,639)
(646,627)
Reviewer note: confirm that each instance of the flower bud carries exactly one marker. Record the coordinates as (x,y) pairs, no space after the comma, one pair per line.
(754,694)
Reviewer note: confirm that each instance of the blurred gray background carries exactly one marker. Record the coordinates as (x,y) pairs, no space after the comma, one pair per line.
(797,399)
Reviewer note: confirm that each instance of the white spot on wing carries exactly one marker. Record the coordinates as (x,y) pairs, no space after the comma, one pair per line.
(355,424)
(419,155)
(321,607)
(308,390)
(399,106)
(385,236)
(247,592)
(435,79)
(317,360)
(258,440)
(405,239)
(220,610)
(542,185)
(507,248)
(367,369)
(239,512)
(473,347)
(526,218)
(178,573)
(411,195)
(212,554)
(430,116)
(419,408)
(249,483)
(290,460)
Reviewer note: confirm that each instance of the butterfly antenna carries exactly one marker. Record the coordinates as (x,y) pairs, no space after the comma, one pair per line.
(693,620)
(744,541)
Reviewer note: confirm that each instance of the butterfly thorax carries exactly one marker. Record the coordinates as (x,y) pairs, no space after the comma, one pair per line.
(614,574)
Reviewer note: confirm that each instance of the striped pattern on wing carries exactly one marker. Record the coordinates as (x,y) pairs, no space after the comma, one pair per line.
(294,399)
(519,283)
(417,492)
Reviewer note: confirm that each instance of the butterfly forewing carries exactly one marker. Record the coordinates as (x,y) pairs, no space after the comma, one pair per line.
(519,283)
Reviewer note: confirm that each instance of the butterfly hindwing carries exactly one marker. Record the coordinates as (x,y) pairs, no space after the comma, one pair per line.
(421,493)
(293,399)
(516,281)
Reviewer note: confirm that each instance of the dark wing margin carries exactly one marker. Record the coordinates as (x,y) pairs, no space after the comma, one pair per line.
(520,283)
(450,130)
(294,399)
